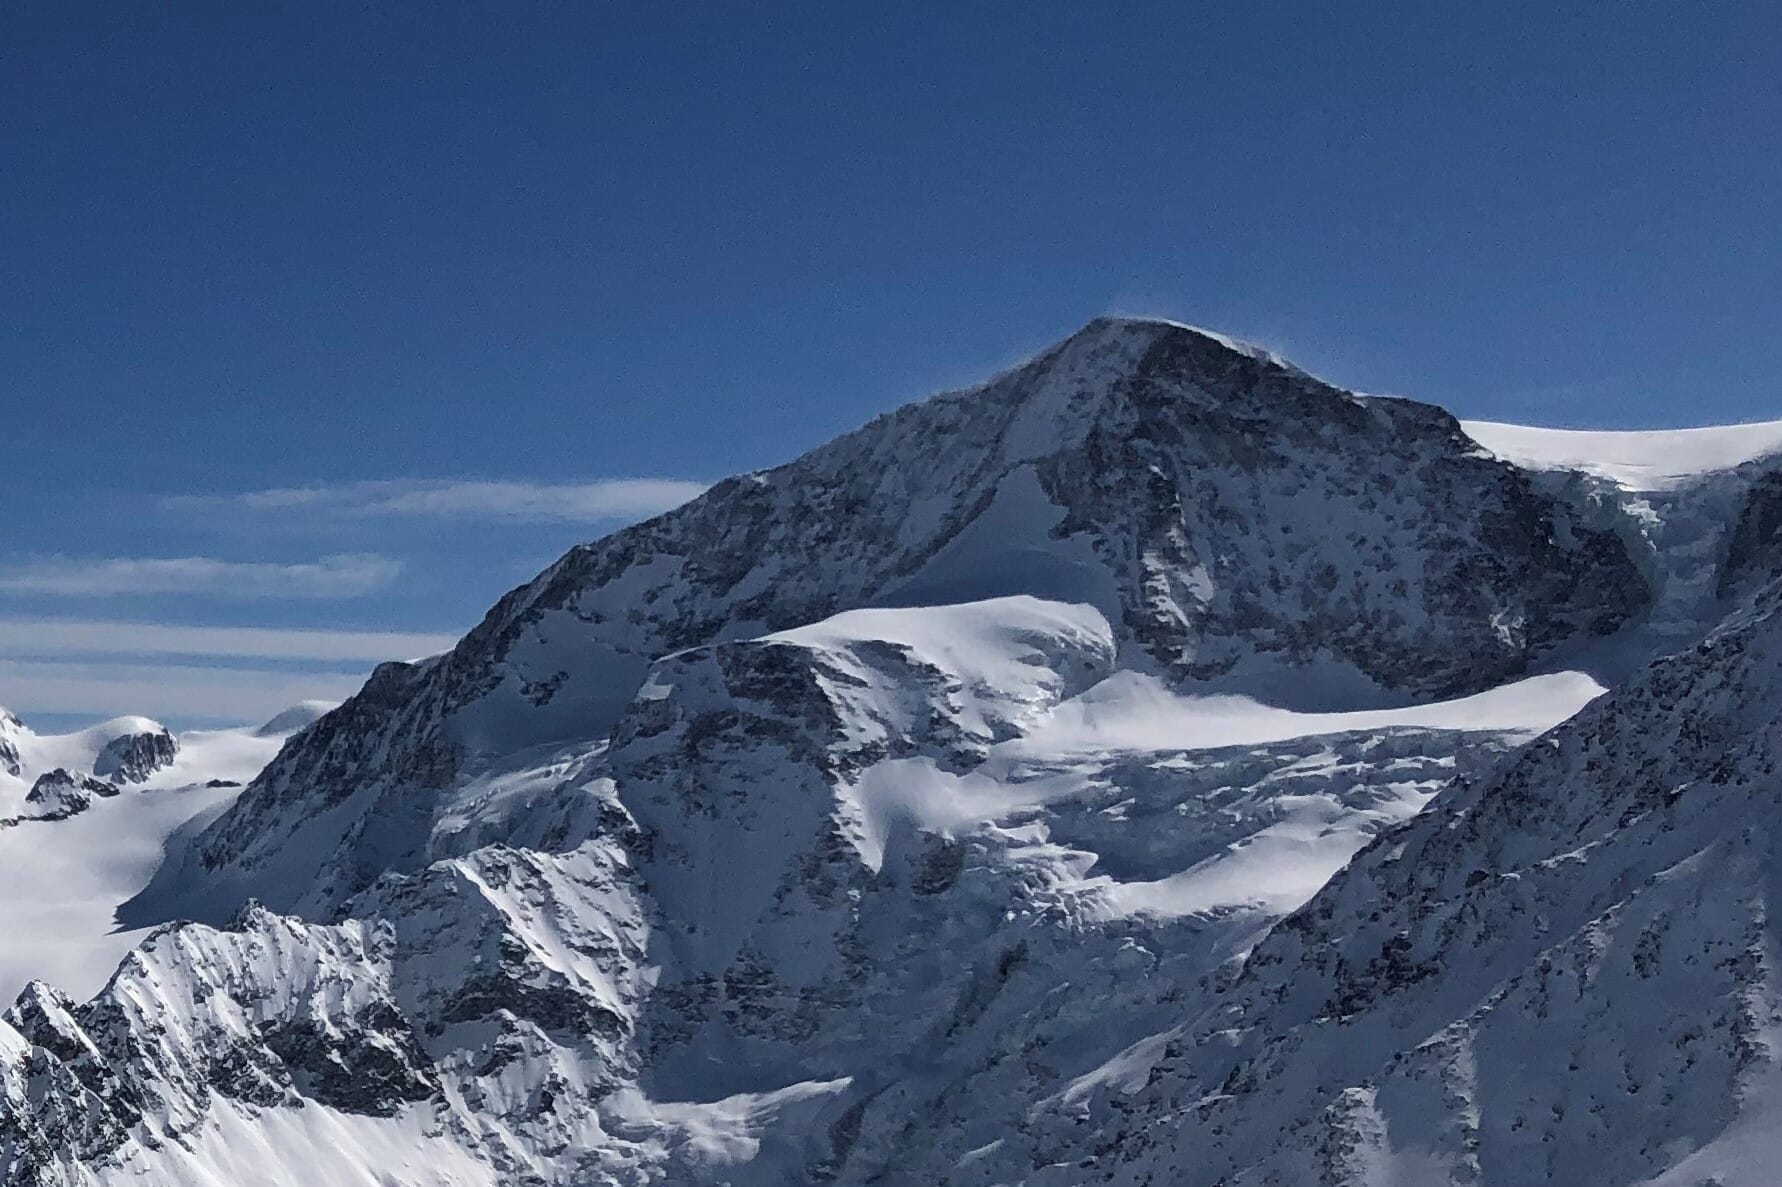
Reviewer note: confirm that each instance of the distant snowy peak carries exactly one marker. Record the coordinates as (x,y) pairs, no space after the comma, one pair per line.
(122,750)
(133,757)
(134,752)
(61,793)
(76,847)
(298,716)
(1654,460)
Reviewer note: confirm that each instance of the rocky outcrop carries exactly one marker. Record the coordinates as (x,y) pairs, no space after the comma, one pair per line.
(1753,555)
(11,762)
(537,957)
(61,793)
(132,758)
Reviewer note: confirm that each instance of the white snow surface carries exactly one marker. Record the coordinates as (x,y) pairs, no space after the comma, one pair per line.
(1637,460)
(61,881)
(871,813)
(1132,711)
(293,719)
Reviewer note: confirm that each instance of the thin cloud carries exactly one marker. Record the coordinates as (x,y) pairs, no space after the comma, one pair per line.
(166,691)
(60,636)
(345,576)
(569,502)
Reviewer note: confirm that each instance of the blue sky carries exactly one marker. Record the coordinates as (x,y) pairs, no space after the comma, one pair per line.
(335,321)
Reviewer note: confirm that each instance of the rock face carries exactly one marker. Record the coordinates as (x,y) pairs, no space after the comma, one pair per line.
(11,761)
(1236,521)
(134,757)
(354,1018)
(1754,547)
(1153,766)
(1559,973)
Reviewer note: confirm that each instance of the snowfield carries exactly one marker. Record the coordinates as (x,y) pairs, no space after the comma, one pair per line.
(1651,460)
(62,881)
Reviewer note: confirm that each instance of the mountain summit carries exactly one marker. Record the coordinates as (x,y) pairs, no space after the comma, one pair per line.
(1240,525)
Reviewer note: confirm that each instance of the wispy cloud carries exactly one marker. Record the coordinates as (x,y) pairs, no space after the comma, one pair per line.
(346,576)
(164,691)
(60,636)
(569,502)
(103,668)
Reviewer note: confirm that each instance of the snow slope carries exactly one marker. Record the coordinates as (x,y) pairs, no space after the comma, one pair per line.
(1563,972)
(62,881)
(1654,460)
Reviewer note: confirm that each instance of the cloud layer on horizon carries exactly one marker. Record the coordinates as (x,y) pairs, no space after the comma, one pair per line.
(164,691)
(40,637)
(101,668)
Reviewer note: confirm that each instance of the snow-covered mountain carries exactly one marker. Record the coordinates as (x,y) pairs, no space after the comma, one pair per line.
(1152,766)
(1240,526)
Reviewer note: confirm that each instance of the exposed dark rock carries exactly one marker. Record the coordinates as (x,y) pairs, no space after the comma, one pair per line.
(371,1063)
(10,761)
(1754,546)
(62,793)
(134,757)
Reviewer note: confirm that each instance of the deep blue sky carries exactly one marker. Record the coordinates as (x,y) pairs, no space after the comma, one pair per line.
(265,246)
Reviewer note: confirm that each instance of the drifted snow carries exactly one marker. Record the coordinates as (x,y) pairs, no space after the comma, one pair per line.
(62,882)
(1130,711)
(293,719)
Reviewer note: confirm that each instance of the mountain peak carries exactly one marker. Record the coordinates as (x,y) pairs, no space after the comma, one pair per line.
(298,716)
(1157,328)
(1116,376)
(1204,498)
